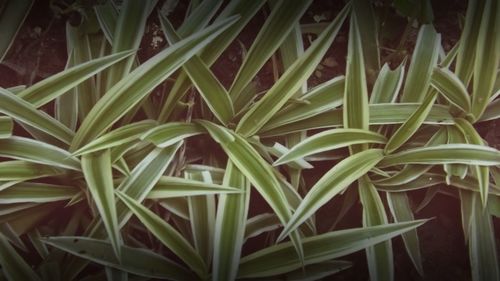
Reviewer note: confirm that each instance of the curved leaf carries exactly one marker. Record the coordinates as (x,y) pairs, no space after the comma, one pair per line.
(329,140)
(172,132)
(38,152)
(448,84)
(332,183)
(280,258)
(134,87)
(21,110)
(445,154)
(138,261)
(99,177)
(166,234)
(117,137)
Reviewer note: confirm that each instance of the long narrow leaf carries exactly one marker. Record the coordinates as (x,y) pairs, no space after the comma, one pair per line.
(332,183)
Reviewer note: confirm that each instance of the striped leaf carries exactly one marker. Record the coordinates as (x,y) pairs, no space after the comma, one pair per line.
(38,152)
(99,177)
(400,207)
(448,84)
(278,259)
(212,91)
(13,265)
(355,110)
(134,260)
(332,183)
(290,81)
(445,154)
(411,125)
(135,86)
(167,234)
(388,84)
(230,227)
(380,257)
(25,192)
(329,140)
(487,58)
(256,170)
(25,112)
(482,249)
(320,99)
(169,187)
(482,172)
(19,170)
(48,89)
(120,136)
(275,30)
(171,133)
(6,127)
(423,61)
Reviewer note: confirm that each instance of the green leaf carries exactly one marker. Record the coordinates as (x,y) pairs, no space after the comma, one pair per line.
(212,91)
(38,152)
(329,140)
(445,154)
(25,192)
(411,125)
(245,9)
(137,261)
(368,31)
(48,89)
(169,187)
(380,257)
(25,112)
(290,81)
(12,15)
(261,223)
(278,259)
(487,58)
(276,28)
(468,41)
(202,219)
(355,111)
(121,135)
(13,265)
(99,177)
(134,87)
(144,176)
(448,84)
(458,170)
(492,111)
(482,248)
(332,183)
(19,170)
(320,99)
(423,61)
(84,95)
(6,127)
(171,132)
(256,169)
(388,84)
(482,173)
(127,35)
(400,207)
(380,114)
(230,222)
(167,234)
(107,14)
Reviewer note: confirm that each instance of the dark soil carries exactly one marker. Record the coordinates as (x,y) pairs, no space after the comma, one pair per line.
(40,51)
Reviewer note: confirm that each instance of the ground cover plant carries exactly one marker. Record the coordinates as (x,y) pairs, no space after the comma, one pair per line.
(131,167)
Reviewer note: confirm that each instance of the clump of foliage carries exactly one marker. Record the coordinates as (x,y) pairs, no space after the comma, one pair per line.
(146,168)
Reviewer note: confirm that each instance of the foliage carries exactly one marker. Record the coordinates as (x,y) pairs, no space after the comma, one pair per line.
(149,169)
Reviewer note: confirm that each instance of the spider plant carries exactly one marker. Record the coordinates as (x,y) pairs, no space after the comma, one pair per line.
(121,168)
